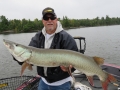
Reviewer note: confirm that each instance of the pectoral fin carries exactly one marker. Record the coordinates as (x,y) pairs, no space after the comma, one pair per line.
(90,79)
(30,67)
(24,66)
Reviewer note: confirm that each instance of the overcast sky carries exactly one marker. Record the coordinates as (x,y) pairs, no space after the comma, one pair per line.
(77,9)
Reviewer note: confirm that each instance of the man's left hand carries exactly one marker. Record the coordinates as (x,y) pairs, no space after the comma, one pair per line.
(65,69)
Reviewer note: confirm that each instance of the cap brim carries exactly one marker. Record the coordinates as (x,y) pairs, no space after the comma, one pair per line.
(49,13)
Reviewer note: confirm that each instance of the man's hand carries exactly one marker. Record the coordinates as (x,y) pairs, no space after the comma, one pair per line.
(65,69)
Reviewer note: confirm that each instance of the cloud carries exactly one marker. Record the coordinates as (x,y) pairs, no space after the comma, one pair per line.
(78,9)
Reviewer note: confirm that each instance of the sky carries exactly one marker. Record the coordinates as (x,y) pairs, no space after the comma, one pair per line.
(73,9)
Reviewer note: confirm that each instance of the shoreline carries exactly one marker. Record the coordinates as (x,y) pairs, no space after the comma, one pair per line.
(12,32)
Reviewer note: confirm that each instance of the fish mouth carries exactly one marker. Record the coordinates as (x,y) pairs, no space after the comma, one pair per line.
(17,51)
(3,40)
(8,44)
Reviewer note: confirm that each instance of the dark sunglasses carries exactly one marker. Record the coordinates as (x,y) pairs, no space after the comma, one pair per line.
(47,18)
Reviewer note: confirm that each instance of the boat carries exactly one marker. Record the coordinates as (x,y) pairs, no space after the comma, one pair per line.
(110,68)
(31,82)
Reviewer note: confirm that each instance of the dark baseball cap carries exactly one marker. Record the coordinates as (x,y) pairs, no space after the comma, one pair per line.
(48,10)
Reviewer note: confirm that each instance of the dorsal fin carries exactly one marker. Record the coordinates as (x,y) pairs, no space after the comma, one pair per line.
(98,60)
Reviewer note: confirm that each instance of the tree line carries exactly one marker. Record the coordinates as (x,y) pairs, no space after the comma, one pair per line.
(18,26)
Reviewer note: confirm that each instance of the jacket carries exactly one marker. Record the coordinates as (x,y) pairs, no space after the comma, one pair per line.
(61,40)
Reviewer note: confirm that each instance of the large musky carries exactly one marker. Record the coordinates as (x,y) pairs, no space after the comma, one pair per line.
(73,9)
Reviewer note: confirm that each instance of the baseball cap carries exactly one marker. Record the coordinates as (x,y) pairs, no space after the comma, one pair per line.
(48,10)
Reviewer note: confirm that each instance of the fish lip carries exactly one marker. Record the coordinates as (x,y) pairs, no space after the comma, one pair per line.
(4,40)
(7,44)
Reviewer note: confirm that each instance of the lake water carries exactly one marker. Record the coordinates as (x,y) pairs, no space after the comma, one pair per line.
(100,41)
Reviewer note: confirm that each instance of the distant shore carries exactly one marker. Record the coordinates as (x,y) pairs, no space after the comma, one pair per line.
(67,28)
(11,31)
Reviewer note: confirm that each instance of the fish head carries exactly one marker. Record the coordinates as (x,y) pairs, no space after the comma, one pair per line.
(20,52)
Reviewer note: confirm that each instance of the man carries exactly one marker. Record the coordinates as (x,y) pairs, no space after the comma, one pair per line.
(53,36)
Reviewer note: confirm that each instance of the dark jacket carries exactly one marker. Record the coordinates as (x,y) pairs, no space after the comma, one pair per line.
(61,40)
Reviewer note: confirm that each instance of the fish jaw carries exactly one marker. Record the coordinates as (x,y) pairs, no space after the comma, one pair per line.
(21,54)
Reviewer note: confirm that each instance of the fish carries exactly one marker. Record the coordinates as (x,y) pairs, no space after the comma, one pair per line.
(88,65)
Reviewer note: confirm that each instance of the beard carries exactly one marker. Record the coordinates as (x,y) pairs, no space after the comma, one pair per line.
(50,29)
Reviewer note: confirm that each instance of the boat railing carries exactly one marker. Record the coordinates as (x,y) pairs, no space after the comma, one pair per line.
(82,43)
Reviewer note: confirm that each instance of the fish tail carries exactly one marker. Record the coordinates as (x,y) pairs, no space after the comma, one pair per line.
(110,78)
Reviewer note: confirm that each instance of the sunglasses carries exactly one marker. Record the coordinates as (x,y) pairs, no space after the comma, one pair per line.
(47,18)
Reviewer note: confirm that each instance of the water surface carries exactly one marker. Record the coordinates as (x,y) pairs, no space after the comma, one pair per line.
(100,41)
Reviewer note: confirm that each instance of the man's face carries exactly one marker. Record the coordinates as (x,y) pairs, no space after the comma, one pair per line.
(50,23)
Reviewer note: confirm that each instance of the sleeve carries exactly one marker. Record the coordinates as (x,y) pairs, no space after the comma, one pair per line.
(33,41)
(69,43)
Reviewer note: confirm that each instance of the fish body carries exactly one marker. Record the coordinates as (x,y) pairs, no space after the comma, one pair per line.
(60,57)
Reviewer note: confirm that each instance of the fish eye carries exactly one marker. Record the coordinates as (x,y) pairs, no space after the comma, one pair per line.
(16,44)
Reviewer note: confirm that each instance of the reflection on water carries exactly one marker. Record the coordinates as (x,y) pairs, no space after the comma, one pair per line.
(101,41)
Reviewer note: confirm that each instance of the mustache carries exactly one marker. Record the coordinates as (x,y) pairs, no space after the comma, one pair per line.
(49,23)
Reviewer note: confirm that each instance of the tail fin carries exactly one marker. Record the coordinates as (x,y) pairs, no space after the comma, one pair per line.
(110,78)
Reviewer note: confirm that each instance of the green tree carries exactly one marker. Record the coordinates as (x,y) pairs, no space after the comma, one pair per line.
(24,25)
(65,22)
(3,23)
